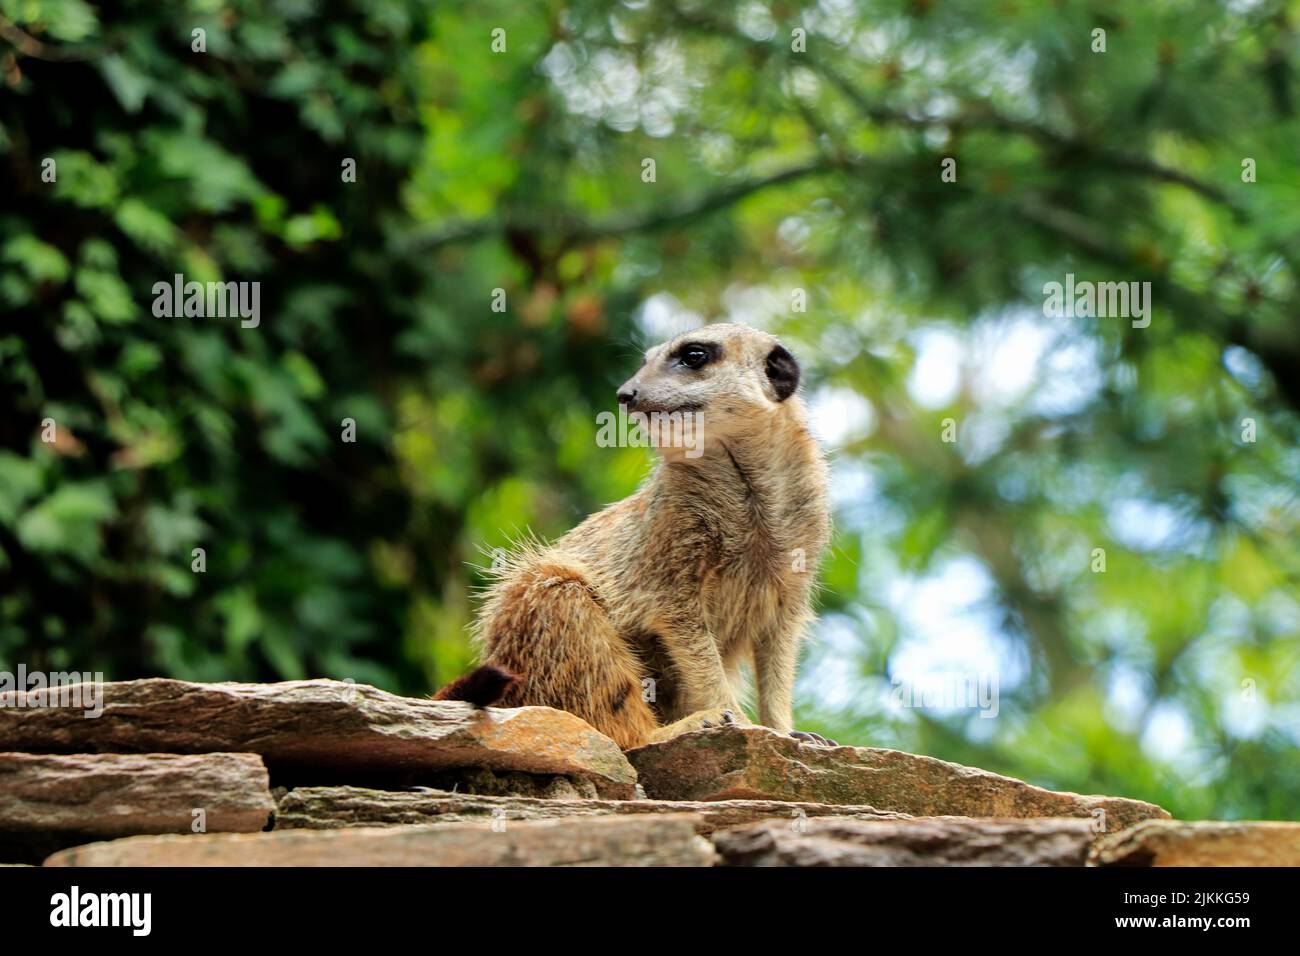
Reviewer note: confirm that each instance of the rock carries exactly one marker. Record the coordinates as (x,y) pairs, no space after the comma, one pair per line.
(1202,843)
(334,807)
(120,794)
(316,727)
(941,841)
(755,763)
(668,840)
(497,783)
(52,802)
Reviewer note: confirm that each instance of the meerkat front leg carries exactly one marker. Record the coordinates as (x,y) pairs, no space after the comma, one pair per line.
(702,678)
(705,699)
(700,720)
(775,657)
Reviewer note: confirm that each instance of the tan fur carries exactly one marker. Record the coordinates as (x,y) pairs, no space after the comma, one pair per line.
(693,574)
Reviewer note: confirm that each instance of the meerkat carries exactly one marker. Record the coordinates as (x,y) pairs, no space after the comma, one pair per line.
(640,618)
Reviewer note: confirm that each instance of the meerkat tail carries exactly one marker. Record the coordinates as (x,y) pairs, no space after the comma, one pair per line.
(482,686)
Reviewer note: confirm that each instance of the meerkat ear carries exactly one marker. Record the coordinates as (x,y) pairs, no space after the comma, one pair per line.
(782,372)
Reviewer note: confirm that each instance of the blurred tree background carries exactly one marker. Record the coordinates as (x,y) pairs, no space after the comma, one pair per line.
(798,149)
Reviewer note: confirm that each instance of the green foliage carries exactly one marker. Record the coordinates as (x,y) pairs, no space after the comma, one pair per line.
(1171,675)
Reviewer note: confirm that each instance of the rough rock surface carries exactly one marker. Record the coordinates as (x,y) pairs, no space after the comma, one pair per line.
(609,841)
(1202,843)
(119,794)
(362,777)
(939,841)
(334,807)
(320,725)
(501,783)
(754,763)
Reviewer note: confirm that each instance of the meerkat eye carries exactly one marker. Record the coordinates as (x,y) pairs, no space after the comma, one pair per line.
(694,357)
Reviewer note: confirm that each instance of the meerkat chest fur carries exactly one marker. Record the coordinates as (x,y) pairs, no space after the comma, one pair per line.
(730,541)
(755,518)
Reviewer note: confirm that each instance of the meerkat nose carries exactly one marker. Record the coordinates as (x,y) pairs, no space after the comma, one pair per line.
(627,396)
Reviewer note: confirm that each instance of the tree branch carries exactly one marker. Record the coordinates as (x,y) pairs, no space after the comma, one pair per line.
(987,118)
(570,231)
(1233,328)
(28,45)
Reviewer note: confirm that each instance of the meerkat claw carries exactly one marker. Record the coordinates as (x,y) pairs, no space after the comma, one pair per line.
(807,736)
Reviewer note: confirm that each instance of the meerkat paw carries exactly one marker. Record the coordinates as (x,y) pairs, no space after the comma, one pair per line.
(700,720)
(808,737)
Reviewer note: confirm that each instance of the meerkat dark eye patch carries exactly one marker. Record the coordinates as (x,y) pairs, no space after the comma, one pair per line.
(782,372)
(694,355)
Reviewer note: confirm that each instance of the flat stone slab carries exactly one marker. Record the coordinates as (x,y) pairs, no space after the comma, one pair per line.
(1202,843)
(755,763)
(318,724)
(944,841)
(336,807)
(121,794)
(668,840)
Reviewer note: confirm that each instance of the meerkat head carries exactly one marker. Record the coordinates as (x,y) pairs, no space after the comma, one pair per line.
(728,378)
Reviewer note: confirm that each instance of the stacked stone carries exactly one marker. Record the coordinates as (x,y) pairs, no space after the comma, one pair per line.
(171,773)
